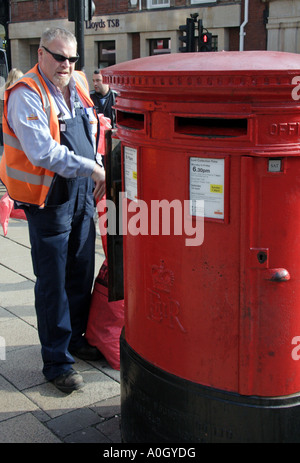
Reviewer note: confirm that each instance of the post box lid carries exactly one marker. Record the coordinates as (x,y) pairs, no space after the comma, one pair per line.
(211,61)
(199,72)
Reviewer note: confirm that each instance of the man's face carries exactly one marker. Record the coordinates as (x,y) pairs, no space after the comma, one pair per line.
(59,73)
(99,86)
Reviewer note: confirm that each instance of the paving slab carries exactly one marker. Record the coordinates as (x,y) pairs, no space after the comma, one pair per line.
(18,334)
(23,367)
(55,403)
(72,422)
(26,429)
(16,257)
(12,402)
(87,436)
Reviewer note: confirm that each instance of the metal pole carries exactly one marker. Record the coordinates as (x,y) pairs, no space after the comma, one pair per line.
(79,33)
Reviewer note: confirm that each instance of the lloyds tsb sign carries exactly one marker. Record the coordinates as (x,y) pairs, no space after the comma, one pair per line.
(102,24)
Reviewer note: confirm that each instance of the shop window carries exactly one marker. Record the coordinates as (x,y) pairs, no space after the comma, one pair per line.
(33,51)
(214,43)
(3,68)
(106,53)
(158,3)
(159,46)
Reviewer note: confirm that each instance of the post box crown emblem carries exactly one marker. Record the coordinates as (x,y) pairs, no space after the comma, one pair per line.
(163,279)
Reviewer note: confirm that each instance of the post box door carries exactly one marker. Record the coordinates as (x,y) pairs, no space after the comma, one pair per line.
(270,273)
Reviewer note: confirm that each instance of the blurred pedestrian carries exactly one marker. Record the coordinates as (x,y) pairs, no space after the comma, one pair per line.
(13,75)
(103,97)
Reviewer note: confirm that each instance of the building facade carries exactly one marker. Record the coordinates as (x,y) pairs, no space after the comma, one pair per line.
(283,28)
(122,30)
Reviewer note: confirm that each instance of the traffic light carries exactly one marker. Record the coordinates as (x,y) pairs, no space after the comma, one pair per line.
(4,13)
(89,10)
(205,41)
(71,10)
(74,5)
(189,38)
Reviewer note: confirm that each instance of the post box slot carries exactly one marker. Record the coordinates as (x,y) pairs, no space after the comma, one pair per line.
(211,127)
(134,121)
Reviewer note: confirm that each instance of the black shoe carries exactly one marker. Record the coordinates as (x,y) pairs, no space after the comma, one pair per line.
(87,352)
(69,381)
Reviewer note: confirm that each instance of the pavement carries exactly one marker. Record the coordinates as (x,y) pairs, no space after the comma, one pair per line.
(32,410)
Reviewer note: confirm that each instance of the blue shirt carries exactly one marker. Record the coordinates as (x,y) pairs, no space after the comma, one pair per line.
(29,122)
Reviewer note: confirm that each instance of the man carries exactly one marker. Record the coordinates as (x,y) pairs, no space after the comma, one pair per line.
(49,169)
(103,97)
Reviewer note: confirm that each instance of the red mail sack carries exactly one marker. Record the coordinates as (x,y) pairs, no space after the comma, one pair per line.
(7,210)
(106,320)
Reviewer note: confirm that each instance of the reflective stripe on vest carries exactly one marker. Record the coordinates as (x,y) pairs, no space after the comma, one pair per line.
(9,140)
(28,178)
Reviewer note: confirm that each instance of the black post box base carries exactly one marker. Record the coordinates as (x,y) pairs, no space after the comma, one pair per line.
(158,407)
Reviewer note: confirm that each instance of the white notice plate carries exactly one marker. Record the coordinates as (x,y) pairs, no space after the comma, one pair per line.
(207,184)
(130,172)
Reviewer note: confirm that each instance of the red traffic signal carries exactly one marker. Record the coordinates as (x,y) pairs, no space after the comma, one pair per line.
(205,42)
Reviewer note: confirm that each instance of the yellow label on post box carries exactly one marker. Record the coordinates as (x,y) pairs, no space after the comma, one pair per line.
(216,188)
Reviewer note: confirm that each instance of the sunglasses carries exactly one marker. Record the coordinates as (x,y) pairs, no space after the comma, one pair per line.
(62,58)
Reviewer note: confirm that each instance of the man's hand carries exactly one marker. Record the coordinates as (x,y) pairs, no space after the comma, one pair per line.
(98,176)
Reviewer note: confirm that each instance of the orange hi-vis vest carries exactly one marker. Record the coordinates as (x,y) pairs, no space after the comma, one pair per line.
(25,182)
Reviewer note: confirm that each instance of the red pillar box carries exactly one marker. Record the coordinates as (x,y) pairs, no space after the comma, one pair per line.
(209,352)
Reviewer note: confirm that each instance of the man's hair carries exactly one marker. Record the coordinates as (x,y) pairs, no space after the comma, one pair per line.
(51,34)
(97,71)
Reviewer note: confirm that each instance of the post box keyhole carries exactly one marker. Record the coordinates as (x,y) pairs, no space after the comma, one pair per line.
(262,257)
